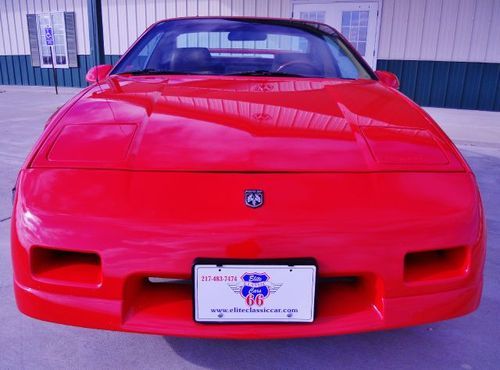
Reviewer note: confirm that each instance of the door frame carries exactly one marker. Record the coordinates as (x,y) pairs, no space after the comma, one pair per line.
(323,2)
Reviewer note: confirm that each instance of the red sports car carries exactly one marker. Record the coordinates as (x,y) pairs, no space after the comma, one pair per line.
(234,171)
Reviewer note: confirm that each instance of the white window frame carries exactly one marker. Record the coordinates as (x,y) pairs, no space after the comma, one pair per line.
(41,44)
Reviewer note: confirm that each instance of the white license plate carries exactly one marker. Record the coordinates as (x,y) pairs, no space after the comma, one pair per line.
(254,293)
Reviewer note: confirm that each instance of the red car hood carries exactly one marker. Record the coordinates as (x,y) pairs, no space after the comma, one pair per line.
(245,124)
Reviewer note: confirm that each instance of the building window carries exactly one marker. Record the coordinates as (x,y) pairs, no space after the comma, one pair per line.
(316,16)
(355,29)
(55,21)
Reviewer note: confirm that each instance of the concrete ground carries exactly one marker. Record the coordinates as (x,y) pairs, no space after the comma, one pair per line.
(471,342)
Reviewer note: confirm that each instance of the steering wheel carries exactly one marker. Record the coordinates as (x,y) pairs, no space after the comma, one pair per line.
(311,69)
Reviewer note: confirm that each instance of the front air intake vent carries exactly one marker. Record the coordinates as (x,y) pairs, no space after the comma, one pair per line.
(435,264)
(64,267)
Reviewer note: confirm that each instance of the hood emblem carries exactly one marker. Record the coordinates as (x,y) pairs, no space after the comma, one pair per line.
(254,198)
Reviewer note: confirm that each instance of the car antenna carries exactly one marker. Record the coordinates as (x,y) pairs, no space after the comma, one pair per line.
(96,44)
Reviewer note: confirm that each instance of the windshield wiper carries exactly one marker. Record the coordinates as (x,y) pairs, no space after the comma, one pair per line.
(264,73)
(152,71)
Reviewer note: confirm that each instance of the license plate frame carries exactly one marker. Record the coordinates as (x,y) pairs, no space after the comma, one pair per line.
(232,293)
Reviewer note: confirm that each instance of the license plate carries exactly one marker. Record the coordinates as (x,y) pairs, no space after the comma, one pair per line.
(254,293)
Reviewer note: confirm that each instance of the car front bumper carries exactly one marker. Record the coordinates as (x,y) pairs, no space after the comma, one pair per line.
(392,249)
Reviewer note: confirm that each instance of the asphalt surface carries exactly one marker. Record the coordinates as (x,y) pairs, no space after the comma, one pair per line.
(471,342)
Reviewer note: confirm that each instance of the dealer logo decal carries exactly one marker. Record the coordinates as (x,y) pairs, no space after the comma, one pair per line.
(255,287)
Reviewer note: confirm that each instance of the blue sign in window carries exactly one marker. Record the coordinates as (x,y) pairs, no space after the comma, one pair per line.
(49,36)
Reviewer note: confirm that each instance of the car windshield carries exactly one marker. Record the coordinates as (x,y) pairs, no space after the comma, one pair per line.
(245,47)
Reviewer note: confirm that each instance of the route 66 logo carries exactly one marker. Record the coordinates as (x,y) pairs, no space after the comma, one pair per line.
(255,287)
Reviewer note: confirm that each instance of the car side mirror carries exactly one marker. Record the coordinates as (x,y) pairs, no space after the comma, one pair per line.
(98,73)
(388,79)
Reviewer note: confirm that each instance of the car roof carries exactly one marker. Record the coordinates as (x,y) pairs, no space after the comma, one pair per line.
(291,21)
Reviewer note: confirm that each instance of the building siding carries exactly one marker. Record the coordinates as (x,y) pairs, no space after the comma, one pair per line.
(440,30)
(15,58)
(124,21)
(445,52)
(17,70)
(14,28)
(468,85)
